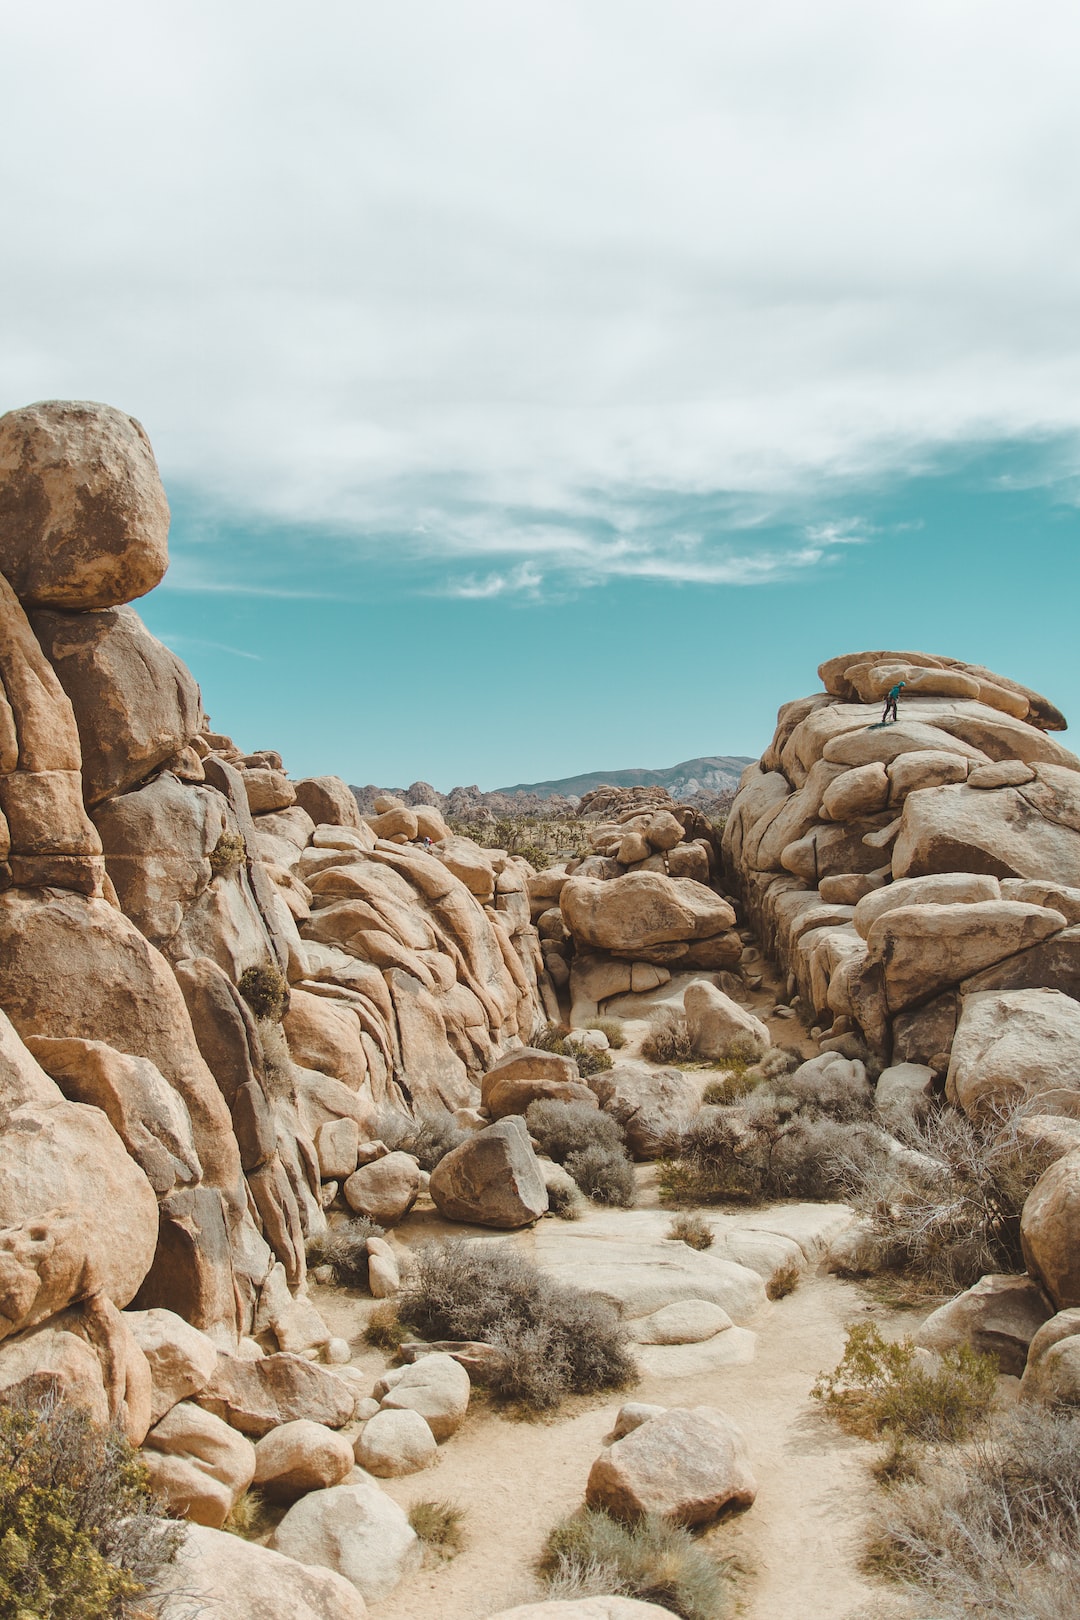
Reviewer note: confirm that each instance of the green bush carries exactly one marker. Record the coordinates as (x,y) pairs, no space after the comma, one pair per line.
(343,1247)
(881,1386)
(554,1340)
(692,1230)
(993,1531)
(266,992)
(589,1060)
(591,1554)
(80,1534)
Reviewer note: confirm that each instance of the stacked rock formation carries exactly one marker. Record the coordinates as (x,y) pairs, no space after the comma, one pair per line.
(639,904)
(897,870)
(202,966)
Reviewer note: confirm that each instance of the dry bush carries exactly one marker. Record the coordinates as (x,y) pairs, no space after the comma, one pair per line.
(266,992)
(606,1175)
(767,1149)
(591,1554)
(385,1330)
(551,1038)
(429,1137)
(590,1146)
(228,854)
(554,1340)
(249,1518)
(881,1386)
(343,1247)
(947,1211)
(692,1230)
(784,1281)
(734,1085)
(81,1537)
(994,1531)
(439,1525)
(612,1028)
(668,1041)
(565,1203)
(557,1038)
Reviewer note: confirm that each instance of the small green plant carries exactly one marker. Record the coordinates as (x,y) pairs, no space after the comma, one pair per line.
(343,1247)
(554,1339)
(440,1526)
(384,1329)
(735,1084)
(589,1059)
(783,1281)
(591,1554)
(81,1537)
(551,1038)
(249,1518)
(228,854)
(266,991)
(693,1230)
(881,1386)
(612,1028)
(900,1459)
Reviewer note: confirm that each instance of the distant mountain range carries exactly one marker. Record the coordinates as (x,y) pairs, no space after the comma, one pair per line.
(712,773)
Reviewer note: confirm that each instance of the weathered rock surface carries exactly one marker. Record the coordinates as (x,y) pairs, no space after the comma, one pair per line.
(714,1021)
(685,1465)
(999,1316)
(298,1457)
(1014,1046)
(182,1360)
(233,1579)
(355,1530)
(640,910)
(593,1608)
(198,1464)
(653,1106)
(386,1189)
(83,518)
(1052,1374)
(1050,1231)
(257,1396)
(493,1179)
(436,1387)
(528,1075)
(393,1443)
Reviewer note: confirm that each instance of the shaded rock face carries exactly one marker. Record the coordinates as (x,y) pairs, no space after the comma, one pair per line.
(951,831)
(83,518)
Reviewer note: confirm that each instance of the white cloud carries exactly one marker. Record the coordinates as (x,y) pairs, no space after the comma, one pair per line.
(571,254)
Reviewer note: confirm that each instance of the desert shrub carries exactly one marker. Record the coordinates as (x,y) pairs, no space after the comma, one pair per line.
(604,1174)
(343,1247)
(266,992)
(612,1028)
(249,1517)
(591,1554)
(668,1041)
(80,1534)
(733,1086)
(551,1038)
(784,1281)
(839,1094)
(384,1329)
(542,840)
(767,1149)
(779,1060)
(439,1526)
(564,1128)
(429,1137)
(881,1385)
(589,1060)
(554,1340)
(693,1230)
(564,1202)
(947,1211)
(994,1530)
(228,854)
(589,1145)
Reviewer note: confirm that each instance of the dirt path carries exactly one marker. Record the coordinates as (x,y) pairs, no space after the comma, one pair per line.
(798,1544)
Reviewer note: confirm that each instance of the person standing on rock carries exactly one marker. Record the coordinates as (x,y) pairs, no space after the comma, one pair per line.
(890,702)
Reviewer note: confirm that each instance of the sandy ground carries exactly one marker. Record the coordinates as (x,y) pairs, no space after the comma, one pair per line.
(797,1547)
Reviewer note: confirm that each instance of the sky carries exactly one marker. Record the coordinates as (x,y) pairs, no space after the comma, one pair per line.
(544,386)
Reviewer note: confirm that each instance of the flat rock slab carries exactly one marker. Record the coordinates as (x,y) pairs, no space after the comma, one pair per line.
(626,1257)
(691,1321)
(735,1348)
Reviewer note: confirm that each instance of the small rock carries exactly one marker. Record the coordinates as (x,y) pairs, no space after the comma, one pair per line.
(687,1465)
(356,1530)
(300,1457)
(632,1415)
(386,1189)
(438,1388)
(688,1321)
(394,1442)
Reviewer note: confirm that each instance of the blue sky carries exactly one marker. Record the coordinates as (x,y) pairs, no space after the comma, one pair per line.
(549,385)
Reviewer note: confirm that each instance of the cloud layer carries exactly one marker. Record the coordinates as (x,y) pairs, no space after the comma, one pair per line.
(493,280)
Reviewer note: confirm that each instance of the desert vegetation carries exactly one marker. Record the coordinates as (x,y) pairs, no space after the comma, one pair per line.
(541,840)
(556,1038)
(590,1146)
(590,1554)
(429,1136)
(343,1247)
(440,1526)
(554,1341)
(883,1386)
(81,1537)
